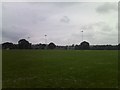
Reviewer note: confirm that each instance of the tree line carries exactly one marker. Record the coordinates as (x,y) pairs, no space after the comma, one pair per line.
(24,44)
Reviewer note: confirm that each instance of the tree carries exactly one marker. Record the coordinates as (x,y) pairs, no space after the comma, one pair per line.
(51,46)
(42,46)
(84,45)
(24,44)
(77,47)
(119,46)
(7,45)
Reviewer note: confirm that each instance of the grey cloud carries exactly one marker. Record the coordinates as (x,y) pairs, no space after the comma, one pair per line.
(0,22)
(118,25)
(103,26)
(86,27)
(56,4)
(107,7)
(9,36)
(97,33)
(60,21)
(107,28)
(65,19)
(12,35)
(66,4)
(76,38)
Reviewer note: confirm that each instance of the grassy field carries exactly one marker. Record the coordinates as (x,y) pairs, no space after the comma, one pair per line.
(60,69)
(0,68)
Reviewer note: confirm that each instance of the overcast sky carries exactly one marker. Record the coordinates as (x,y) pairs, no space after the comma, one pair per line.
(61,22)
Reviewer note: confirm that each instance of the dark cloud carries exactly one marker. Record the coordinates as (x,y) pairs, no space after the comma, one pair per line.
(65,19)
(107,7)
(12,35)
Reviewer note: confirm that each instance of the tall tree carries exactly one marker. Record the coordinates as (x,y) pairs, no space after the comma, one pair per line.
(24,44)
(119,46)
(84,45)
(7,45)
(51,46)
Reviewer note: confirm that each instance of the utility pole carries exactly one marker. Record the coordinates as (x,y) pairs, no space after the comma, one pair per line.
(46,39)
(28,38)
(82,36)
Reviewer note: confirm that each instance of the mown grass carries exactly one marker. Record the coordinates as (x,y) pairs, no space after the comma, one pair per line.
(0,68)
(60,69)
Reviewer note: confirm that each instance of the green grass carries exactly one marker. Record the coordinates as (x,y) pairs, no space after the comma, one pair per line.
(60,69)
(0,68)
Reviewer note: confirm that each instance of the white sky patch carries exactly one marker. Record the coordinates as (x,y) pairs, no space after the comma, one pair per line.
(59,0)
(62,26)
